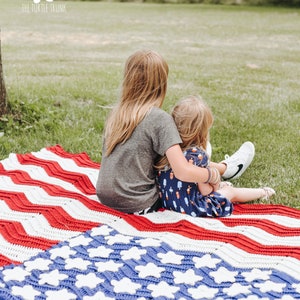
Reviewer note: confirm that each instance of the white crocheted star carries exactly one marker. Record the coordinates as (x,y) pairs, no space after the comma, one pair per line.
(117,239)
(206,261)
(270,286)
(170,258)
(163,289)
(236,289)
(209,292)
(27,292)
(16,273)
(77,263)
(100,251)
(63,252)
(90,280)
(52,278)
(223,275)
(125,285)
(132,253)
(150,269)
(188,277)
(61,294)
(256,274)
(37,264)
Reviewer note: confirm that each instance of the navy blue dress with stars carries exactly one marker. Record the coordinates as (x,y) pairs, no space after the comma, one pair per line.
(184,197)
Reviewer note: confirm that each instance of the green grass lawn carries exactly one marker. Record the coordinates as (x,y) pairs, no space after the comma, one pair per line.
(63,70)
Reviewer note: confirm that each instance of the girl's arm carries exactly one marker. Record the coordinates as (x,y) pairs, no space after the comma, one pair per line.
(188,172)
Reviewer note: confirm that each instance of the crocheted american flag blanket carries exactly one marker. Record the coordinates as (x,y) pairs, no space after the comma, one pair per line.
(58,242)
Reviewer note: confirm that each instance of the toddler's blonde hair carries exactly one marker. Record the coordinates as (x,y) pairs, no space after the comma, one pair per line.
(193,119)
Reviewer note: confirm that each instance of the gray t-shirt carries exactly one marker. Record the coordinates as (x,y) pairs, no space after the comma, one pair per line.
(126,180)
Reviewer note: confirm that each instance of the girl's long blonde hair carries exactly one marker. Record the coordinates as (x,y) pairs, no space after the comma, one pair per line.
(144,86)
(193,119)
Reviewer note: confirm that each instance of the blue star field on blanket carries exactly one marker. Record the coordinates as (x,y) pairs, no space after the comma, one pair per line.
(103,263)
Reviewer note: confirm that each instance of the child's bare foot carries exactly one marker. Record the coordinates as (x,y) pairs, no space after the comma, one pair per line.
(267,193)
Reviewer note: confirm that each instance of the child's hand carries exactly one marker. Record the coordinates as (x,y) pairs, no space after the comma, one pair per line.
(215,187)
(205,188)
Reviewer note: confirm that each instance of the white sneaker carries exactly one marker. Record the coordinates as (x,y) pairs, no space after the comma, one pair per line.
(239,161)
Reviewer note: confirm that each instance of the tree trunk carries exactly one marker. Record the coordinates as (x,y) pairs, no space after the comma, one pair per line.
(2,86)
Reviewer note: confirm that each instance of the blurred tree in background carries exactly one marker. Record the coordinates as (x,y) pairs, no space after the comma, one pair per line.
(2,86)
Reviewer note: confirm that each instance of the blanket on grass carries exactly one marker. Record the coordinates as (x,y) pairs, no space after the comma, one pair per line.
(58,242)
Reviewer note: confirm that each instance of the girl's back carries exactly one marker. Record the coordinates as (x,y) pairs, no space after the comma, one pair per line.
(126,179)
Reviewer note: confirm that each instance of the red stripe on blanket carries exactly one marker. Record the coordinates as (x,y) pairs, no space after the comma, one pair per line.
(4,261)
(267,226)
(192,231)
(22,178)
(14,233)
(81,159)
(55,215)
(81,181)
(260,209)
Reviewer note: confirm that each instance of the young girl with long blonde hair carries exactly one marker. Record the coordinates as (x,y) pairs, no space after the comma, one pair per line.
(194,119)
(137,133)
